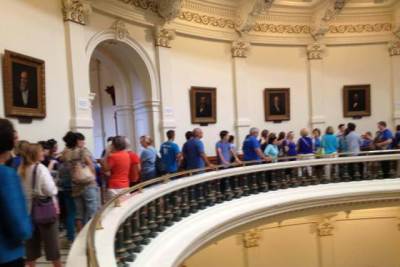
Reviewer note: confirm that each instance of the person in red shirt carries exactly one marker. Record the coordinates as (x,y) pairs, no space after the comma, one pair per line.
(118,163)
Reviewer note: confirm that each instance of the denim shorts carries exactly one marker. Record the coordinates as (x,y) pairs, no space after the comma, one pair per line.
(87,203)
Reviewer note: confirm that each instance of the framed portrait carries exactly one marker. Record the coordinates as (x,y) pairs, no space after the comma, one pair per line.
(24,86)
(357,100)
(203,105)
(277,104)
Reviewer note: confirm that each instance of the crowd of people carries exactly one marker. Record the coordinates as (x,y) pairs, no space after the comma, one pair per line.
(45,192)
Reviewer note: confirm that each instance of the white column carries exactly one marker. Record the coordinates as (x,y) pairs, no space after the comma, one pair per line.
(325,239)
(78,68)
(163,59)
(315,72)
(394,52)
(240,77)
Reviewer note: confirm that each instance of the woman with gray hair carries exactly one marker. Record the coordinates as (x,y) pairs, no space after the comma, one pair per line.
(148,158)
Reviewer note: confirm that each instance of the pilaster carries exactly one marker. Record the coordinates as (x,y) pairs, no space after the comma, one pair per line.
(240,77)
(75,17)
(315,72)
(394,52)
(163,38)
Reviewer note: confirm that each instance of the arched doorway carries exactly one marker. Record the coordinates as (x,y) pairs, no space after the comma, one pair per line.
(122,86)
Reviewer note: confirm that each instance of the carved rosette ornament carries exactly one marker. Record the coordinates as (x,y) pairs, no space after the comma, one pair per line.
(252,238)
(315,51)
(76,11)
(394,48)
(163,37)
(120,30)
(240,48)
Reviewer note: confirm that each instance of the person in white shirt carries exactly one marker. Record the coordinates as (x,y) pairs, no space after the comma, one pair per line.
(43,187)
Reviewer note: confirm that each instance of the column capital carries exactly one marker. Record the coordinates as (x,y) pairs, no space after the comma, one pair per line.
(76,11)
(240,48)
(163,37)
(121,32)
(315,51)
(394,48)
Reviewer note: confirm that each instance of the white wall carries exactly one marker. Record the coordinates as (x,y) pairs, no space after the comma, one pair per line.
(359,64)
(35,28)
(196,62)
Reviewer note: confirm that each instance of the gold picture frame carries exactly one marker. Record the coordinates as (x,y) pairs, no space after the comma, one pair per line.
(277,104)
(203,105)
(357,100)
(24,86)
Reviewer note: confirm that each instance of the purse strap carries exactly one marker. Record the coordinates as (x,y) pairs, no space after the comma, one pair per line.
(34,177)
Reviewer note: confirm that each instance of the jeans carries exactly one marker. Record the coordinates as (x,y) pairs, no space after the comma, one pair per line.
(70,213)
(87,203)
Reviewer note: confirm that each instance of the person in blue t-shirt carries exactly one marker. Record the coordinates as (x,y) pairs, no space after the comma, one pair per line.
(330,142)
(193,152)
(396,139)
(385,137)
(170,154)
(15,223)
(224,150)
(251,147)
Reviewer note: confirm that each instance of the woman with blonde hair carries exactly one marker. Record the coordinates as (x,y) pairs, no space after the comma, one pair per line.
(305,149)
(148,158)
(40,188)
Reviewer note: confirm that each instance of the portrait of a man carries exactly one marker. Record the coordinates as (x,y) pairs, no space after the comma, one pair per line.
(203,104)
(24,86)
(277,104)
(356,100)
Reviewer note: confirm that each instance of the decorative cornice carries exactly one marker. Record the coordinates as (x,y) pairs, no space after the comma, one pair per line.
(315,51)
(76,11)
(273,28)
(143,4)
(163,37)
(120,30)
(394,48)
(240,48)
(361,28)
(251,238)
(207,20)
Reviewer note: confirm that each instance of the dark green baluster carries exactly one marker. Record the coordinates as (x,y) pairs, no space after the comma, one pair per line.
(345,172)
(152,223)
(176,196)
(160,215)
(136,236)
(144,230)
(263,182)
(274,182)
(211,194)
(284,183)
(228,193)
(294,181)
(356,172)
(168,215)
(185,202)
(254,183)
(120,250)
(201,200)
(245,184)
(193,199)
(219,197)
(237,187)
(393,167)
(128,242)
(379,172)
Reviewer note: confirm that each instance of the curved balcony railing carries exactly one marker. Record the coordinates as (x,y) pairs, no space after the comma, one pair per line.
(218,184)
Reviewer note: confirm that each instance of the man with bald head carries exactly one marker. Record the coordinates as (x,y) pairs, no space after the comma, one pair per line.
(251,147)
(193,152)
